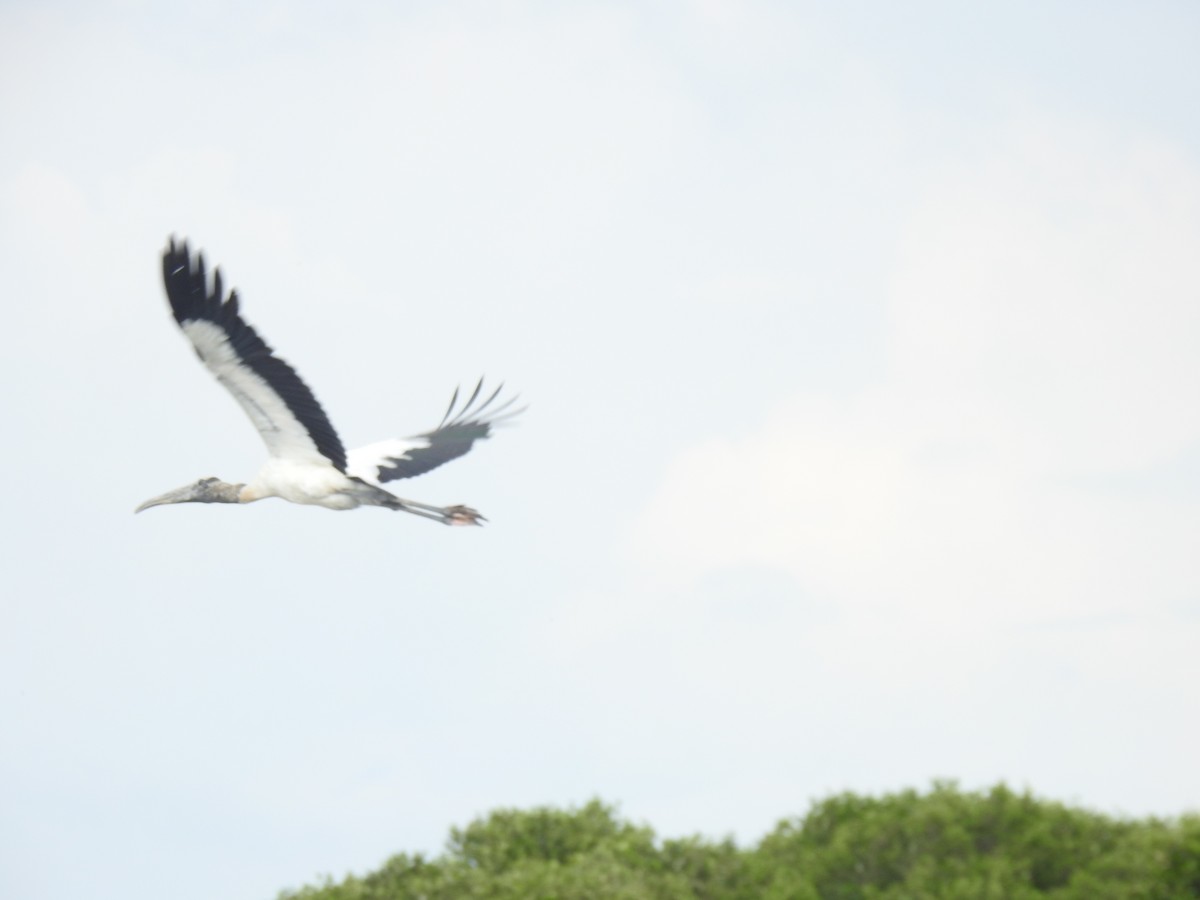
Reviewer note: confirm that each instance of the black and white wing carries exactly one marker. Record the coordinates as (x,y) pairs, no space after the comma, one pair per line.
(280,405)
(460,428)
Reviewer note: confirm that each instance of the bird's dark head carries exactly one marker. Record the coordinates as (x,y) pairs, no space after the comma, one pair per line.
(206,490)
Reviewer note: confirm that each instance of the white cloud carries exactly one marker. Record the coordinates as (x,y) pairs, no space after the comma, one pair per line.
(1045,303)
(971,567)
(1043,316)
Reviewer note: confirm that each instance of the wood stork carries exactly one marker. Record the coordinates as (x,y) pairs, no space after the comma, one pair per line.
(307,463)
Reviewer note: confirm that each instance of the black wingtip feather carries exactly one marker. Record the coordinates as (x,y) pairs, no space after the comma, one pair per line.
(450,408)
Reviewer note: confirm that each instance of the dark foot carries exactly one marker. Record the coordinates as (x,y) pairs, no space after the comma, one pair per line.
(462,515)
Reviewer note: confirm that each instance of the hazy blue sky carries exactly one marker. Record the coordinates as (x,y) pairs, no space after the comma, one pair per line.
(861,342)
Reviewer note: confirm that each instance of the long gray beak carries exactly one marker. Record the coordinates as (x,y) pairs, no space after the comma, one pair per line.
(179,495)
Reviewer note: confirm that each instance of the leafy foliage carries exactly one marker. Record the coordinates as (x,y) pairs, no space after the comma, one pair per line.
(946,843)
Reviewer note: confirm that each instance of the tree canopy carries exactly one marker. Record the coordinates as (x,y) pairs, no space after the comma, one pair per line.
(945,843)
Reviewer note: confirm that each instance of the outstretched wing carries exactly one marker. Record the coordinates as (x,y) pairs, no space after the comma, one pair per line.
(280,405)
(459,430)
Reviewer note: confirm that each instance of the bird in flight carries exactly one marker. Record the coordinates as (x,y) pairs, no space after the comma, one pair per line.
(306,461)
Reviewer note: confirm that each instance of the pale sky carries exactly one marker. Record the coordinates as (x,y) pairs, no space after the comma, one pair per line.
(862,343)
